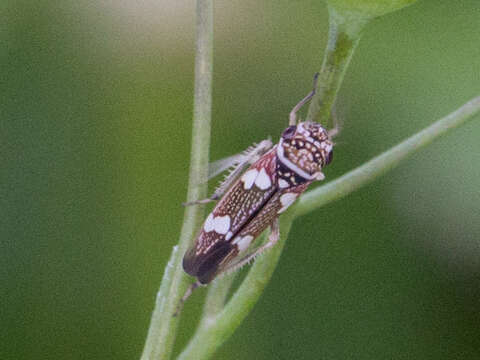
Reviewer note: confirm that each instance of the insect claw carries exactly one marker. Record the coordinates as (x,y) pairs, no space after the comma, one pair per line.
(320,176)
(187,294)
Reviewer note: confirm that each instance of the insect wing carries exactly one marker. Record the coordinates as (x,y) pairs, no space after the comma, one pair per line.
(235,210)
(241,251)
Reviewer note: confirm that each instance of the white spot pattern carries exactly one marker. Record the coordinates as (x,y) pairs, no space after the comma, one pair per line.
(221,224)
(249,178)
(243,242)
(228,236)
(209,224)
(263,181)
(282,183)
(286,200)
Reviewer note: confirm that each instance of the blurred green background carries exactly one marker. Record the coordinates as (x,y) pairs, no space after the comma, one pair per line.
(96,108)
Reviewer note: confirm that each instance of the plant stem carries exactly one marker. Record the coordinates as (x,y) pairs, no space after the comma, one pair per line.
(216,296)
(343,37)
(211,334)
(161,334)
(384,162)
(216,327)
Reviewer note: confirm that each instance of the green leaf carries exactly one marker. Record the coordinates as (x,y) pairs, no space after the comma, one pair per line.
(367,8)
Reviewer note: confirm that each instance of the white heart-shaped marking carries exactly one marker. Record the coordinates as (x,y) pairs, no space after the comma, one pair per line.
(286,200)
(243,242)
(222,224)
(249,178)
(209,224)
(263,181)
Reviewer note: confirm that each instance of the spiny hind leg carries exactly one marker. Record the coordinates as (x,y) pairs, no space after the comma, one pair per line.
(237,164)
(272,240)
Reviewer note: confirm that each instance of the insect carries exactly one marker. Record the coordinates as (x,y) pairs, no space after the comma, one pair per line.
(252,199)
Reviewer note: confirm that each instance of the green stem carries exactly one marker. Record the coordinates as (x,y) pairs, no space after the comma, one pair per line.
(343,37)
(216,296)
(215,327)
(162,331)
(213,333)
(384,162)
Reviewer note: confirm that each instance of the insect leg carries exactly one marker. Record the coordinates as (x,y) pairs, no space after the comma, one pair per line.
(293,113)
(238,164)
(187,294)
(272,240)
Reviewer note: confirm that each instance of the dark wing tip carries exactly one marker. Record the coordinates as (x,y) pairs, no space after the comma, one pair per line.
(190,262)
(205,266)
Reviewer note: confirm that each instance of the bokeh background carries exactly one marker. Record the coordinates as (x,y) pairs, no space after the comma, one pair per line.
(95,119)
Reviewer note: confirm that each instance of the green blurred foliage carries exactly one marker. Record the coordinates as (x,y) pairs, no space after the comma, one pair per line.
(95,130)
(369,8)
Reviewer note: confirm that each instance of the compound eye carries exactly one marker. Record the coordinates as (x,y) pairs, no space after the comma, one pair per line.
(329,157)
(289,132)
